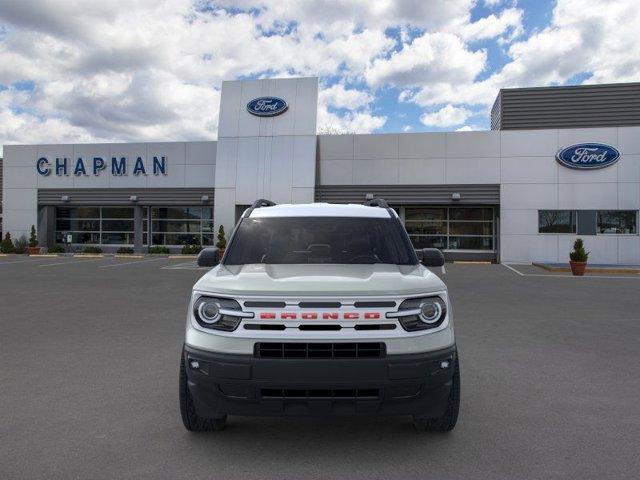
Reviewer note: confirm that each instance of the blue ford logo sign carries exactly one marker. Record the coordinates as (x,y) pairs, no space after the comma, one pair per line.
(267,106)
(588,156)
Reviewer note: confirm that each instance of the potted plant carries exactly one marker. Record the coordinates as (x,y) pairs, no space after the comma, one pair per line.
(221,243)
(578,258)
(33,249)
(7,244)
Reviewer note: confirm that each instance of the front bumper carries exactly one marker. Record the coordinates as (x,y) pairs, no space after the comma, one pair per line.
(412,384)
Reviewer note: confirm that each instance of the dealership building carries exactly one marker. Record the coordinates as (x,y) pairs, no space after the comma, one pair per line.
(559,162)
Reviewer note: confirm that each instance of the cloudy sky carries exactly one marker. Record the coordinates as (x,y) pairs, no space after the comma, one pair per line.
(115,70)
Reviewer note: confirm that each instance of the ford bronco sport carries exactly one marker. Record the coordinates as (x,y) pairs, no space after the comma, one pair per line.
(319,309)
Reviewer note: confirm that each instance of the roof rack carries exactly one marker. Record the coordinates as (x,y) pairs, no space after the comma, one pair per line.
(261,202)
(377,202)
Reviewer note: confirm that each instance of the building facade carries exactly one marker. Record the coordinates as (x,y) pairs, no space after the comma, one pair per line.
(504,195)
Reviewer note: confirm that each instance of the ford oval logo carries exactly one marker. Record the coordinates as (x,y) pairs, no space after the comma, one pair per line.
(267,106)
(588,156)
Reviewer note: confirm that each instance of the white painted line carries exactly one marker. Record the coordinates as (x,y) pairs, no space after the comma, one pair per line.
(513,269)
(129,263)
(552,275)
(71,262)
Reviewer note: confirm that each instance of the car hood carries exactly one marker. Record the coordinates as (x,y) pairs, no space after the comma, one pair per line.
(319,279)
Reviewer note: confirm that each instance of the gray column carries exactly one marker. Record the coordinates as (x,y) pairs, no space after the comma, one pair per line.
(46,227)
(138,215)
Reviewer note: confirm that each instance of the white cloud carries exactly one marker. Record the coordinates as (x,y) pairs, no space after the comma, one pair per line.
(407,128)
(447,116)
(340,97)
(439,56)
(469,128)
(509,22)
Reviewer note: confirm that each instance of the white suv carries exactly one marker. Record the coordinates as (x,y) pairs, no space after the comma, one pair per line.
(319,309)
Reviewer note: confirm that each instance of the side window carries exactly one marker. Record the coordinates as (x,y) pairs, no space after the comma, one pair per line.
(618,221)
(556,221)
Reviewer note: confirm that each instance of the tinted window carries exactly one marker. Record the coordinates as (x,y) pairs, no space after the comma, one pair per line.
(343,240)
(617,221)
(556,221)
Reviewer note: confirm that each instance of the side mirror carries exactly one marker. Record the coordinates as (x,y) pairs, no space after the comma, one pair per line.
(432,257)
(208,257)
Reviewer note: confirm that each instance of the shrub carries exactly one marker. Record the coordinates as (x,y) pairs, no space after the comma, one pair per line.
(20,245)
(191,249)
(91,249)
(33,238)
(124,250)
(579,254)
(222,241)
(7,244)
(158,249)
(57,248)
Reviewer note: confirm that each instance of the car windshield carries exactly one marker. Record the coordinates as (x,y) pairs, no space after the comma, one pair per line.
(311,240)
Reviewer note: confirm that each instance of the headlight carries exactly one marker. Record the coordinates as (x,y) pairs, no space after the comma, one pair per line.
(421,313)
(218,313)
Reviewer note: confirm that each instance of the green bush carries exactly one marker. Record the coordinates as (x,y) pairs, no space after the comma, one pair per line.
(191,249)
(57,248)
(158,249)
(20,245)
(125,250)
(7,244)
(91,249)
(579,254)
(33,238)
(222,241)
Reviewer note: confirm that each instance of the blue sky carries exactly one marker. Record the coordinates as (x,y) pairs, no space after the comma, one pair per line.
(77,71)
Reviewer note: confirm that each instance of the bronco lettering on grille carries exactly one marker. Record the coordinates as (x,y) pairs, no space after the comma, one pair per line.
(316,316)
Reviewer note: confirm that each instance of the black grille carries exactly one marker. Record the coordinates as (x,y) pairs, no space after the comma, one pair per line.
(320,350)
(334,393)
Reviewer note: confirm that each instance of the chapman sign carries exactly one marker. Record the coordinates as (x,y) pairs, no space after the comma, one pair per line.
(267,106)
(118,166)
(588,156)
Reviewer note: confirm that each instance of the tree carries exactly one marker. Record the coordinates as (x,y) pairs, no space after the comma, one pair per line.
(7,244)
(33,238)
(579,254)
(222,241)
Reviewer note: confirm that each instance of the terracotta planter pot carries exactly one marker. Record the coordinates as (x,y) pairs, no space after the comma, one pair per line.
(33,250)
(578,268)
(220,253)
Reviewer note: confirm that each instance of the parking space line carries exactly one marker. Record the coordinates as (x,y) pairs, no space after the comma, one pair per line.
(130,263)
(513,269)
(73,262)
(551,275)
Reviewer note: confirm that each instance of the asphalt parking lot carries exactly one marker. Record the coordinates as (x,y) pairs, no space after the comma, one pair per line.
(89,353)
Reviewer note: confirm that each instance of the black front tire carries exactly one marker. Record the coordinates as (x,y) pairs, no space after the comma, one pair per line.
(190,418)
(448,420)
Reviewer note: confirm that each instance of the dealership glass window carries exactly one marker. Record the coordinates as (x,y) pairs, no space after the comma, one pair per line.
(618,221)
(188,225)
(450,228)
(95,225)
(556,221)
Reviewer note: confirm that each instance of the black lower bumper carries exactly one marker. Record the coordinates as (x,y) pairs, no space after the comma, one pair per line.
(415,384)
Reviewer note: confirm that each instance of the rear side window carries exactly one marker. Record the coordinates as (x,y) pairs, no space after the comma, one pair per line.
(312,240)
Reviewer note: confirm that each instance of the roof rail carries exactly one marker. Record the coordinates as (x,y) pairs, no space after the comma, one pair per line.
(377,202)
(261,202)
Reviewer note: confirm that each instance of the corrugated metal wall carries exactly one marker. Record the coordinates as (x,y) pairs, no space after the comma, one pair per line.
(411,194)
(121,196)
(567,107)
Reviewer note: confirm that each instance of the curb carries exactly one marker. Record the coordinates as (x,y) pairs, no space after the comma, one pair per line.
(88,255)
(45,255)
(127,255)
(472,262)
(183,256)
